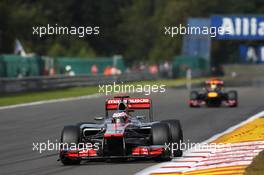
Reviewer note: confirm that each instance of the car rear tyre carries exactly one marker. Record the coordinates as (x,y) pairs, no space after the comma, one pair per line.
(194,96)
(176,135)
(232,95)
(70,135)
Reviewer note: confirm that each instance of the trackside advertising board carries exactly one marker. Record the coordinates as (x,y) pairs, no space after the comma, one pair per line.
(239,27)
(197,44)
(251,54)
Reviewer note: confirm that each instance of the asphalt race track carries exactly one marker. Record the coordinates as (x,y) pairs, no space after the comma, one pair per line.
(20,127)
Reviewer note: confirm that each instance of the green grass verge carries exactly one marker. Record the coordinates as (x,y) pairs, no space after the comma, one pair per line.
(46,95)
(169,82)
(27,97)
(257,166)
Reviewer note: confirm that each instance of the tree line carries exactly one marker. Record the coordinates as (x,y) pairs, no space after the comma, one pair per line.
(132,28)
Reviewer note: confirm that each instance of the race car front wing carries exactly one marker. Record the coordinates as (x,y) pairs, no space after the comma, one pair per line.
(137,152)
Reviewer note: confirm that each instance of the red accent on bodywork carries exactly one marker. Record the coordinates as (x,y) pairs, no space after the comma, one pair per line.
(194,102)
(216,82)
(139,106)
(73,155)
(133,103)
(147,151)
(232,102)
(81,153)
(156,151)
(113,135)
(140,151)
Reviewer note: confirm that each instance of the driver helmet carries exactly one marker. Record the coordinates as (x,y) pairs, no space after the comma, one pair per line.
(213,87)
(120,117)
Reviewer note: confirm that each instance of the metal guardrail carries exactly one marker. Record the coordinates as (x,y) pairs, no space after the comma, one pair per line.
(244,74)
(27,84)
(244,69)
(245,81)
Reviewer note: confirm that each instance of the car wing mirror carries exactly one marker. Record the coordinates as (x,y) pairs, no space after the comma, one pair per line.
(98,118)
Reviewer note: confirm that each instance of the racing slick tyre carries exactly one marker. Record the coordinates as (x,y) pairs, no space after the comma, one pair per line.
(160,136)
(176,135)
(194,95)
(70,135)
(232,95)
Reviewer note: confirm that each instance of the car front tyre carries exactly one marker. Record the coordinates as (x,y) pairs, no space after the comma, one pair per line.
(70,135)
(160,136)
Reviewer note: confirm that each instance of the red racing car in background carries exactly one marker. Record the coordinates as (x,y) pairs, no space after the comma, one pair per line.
(213,95)
(121,135)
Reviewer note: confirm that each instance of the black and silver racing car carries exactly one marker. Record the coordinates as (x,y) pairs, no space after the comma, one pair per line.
(122,135)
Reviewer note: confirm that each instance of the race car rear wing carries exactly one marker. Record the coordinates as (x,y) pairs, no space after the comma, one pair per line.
(131,103)
(219,82)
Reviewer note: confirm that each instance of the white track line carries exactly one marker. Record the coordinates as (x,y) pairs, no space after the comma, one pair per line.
(50,101)
(151,169)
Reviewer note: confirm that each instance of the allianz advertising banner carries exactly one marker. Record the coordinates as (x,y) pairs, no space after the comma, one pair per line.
(238,27)
(251,54)
(197,45)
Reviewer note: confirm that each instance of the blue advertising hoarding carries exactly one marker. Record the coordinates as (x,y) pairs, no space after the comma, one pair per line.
(239,27)
(197,44)
(251,54)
